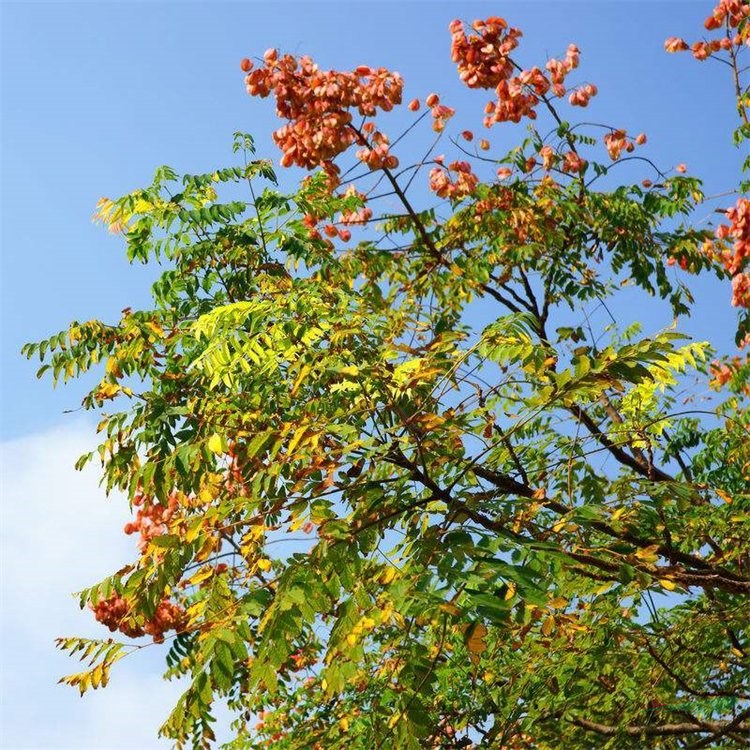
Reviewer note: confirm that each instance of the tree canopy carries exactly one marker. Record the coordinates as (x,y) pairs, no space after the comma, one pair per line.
(393,482)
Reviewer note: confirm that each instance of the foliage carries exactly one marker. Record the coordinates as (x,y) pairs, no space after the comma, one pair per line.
(394,481)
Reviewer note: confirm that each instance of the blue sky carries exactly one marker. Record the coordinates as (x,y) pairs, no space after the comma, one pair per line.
(94,96)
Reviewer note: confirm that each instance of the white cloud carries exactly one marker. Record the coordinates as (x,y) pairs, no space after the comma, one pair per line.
(59,534)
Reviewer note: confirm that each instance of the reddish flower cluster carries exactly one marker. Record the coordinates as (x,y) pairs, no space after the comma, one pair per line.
(734,257)
(573,163)
(581,97)
(151,519)
(377,154)
(361,215)
(483,58)
(483,61)
(616,142)
(724,372)
(517,97)
(503,199)
(682,260)
(445,185)
(440,115)
(741,290)
(703,50)
(675,44)
(317,105)
(721,374)
(728,14)
(330,230)
(301,659)
(548,156)
(729,11)
(234,478)
(738,231)
(559,69)
(115,614)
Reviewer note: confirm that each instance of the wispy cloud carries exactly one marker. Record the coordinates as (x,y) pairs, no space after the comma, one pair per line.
(59,534)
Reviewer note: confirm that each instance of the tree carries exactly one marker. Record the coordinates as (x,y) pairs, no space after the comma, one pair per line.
(365,449)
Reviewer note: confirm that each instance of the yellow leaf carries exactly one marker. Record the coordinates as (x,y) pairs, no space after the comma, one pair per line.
(112,367)
(540,493)
(450,608)
(255,532)
(104,208)
(430,421)
(303,373)
(296,438)
(724,496)
(475,641)
(344,724)
(388,575)
(216,443)
(548,626)
(667,584)
(264,564)
(297,523)
(206,495)
(648,554)
(142,206)
(194,531)
(202,575)
(155,328)
(107,390)
(559,602)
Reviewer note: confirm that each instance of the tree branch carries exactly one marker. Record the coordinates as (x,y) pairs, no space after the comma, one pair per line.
(666,730)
